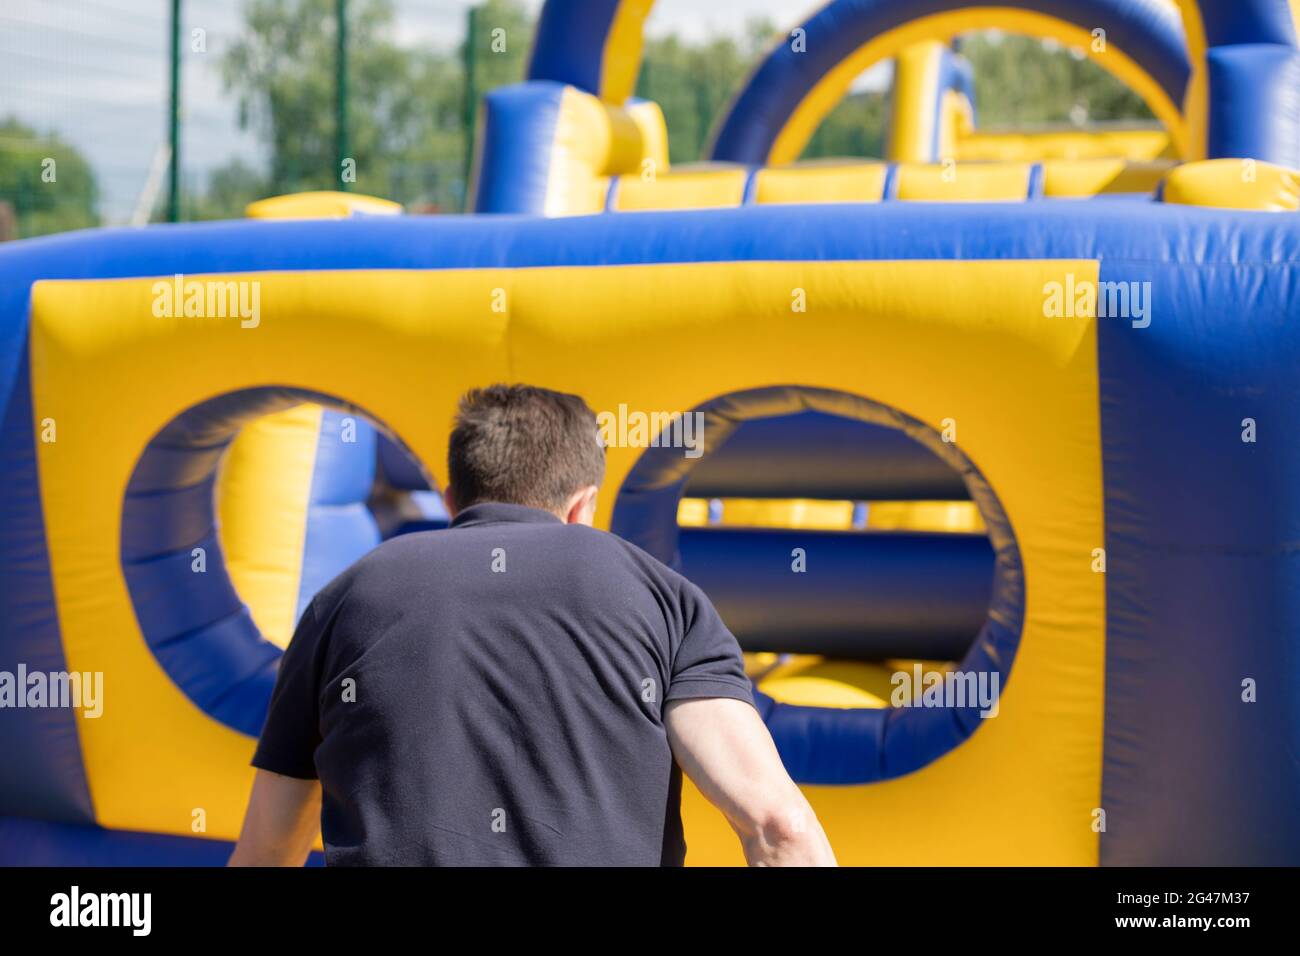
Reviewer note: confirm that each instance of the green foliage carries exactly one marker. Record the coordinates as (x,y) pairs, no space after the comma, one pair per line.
(693,84)
(856,127)
(229,190)
(1021,81)
(42,207)
(406,107)
(408,113)
(504,35)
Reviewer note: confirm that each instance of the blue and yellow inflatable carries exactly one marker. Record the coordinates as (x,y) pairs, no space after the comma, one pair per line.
(1009,433)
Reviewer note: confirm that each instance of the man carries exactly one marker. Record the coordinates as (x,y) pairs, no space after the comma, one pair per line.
(519,689)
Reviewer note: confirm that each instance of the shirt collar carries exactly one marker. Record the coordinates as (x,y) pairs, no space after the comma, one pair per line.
(495,512)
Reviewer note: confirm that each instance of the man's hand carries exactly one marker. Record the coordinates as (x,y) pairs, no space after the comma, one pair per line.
(281,822)
(725,748)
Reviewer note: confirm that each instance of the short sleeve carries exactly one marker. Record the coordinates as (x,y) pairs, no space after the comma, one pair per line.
(292,730)
(708,662)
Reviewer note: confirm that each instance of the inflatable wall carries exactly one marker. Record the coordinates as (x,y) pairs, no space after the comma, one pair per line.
(995,481)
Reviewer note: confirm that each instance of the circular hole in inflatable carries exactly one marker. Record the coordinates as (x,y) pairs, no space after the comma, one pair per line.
(821,523)
(206,620)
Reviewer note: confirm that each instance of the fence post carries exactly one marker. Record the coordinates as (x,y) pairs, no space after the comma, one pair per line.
(174,121)
(471,96)
(341,94)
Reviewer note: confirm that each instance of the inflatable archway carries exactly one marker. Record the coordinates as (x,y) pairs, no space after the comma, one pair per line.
(1243,60)
(597,48)
(793,89)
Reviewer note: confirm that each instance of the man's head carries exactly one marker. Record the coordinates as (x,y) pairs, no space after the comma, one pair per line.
(523,445)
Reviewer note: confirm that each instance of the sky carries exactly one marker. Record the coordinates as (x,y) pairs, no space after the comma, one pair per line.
(95,72)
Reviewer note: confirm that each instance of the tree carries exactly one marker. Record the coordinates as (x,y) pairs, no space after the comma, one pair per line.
(406,126)
(407,107)
(1022,81)
(504,37)
(48,182)
(693,83)
(1019,82)
(855,127)
(229,190)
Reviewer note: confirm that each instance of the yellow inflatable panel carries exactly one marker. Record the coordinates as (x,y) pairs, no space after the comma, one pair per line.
(815,682)
(820,182)
(687,187)
(262,491)
(595,141)
(915,93)
(1197,98)
(404,345)
(1091,177)
(320,205)
(581,154)
(955,516)
(653,129)
(823,515)
(693,513)
(964,182)
(721,185)
(621,61)
(811,681)
(1096,143)
(769,513)
(1235,184)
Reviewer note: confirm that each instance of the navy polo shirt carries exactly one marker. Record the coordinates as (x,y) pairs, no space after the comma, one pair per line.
(493,694)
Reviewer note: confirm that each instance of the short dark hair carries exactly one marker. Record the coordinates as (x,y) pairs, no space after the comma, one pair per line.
(523,445)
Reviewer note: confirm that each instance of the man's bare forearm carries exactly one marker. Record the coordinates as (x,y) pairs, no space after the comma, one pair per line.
(281,822)
(724,748)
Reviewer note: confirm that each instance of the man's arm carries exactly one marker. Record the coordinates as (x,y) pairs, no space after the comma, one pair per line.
(281,822)
(725,748)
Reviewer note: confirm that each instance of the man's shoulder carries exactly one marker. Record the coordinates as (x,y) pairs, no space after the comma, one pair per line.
(589,549)
(394,569)
(619,553)
(386,560)
(402,548)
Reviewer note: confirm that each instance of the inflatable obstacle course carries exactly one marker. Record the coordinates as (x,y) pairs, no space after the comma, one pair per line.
(911,465)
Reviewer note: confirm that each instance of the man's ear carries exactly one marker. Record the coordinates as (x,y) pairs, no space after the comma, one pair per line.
(581,507)
(450,502)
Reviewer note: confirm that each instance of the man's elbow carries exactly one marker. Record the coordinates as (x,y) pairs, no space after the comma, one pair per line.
(788,836)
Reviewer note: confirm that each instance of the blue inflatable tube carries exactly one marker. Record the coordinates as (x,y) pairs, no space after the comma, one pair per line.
(1254,106)
(513,166)
(206,640)
(570,42)
(30,842)
(861,595)
(813,455)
